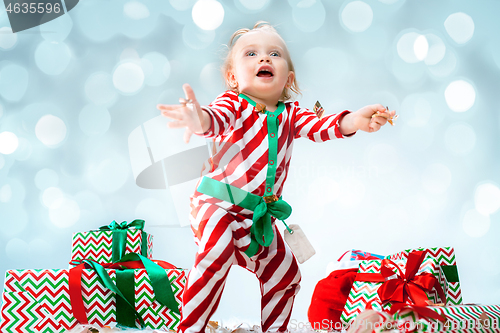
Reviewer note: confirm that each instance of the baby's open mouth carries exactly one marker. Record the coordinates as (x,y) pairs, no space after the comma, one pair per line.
(264,73)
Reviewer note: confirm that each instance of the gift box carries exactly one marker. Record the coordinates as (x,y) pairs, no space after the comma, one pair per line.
(445,257)
(38,300)
(110,243)
(379,283)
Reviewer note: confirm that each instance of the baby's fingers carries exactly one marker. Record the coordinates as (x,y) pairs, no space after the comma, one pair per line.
(169,107)
(177,124)
(172,114)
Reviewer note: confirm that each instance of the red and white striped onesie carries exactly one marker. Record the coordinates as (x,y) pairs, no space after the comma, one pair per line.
(222,229)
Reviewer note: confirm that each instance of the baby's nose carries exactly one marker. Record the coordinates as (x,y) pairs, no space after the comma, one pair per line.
(265,59)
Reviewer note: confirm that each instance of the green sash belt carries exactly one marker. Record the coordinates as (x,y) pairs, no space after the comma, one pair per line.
(262,230)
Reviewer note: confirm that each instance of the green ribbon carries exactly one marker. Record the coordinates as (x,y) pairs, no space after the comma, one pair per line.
(125,288)
(450,272)
(125,305)
(159,281)
(119,243)
(262,230)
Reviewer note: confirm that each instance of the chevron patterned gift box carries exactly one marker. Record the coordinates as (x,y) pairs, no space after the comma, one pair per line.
(445,257)
(365,291)
(36,300)
(106,245)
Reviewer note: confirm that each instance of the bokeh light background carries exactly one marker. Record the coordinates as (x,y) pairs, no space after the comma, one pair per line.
(72,91)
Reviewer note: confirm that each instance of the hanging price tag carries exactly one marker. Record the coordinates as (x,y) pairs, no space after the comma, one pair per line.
(298,243)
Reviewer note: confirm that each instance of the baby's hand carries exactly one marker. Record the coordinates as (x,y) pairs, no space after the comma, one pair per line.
(371,117)
(187,114)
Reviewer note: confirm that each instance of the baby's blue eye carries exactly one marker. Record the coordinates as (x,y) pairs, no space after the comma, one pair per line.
(274,54)
(251,53)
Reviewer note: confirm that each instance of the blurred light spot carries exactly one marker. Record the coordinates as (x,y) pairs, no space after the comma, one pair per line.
(460,138)
(406,47)
(394,218)
(436,49)
(50,130)
(46,178)
(417,206)
(14,219)
(7,38)
(309,15)
(156,68)
(460,27)
(51,195)
(52,57)
(136,10)
(384,157)
(151,209)
(417,138)
(211,78)
(5,193)
(406,72)
(487,198)
(353,191)
(460,96)
(8,143)
(417,110)
(13,82)
(99,89)
(64,212)
(24,150)
(94,119)
(444,67)
(57,30)
(323,190)
(357,16)
(17,250)
(494,48)
(436,178)
(40,248)
(254,5)
(110,174)
(489,263)
(2,161)
(373,43)
(475,224)
(331,63)
(182,5)
(197,38)
(104,22)
(128,78)
(421,47)
(208,14)
(89,200)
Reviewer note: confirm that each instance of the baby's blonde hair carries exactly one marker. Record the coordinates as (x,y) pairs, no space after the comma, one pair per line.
(228,61)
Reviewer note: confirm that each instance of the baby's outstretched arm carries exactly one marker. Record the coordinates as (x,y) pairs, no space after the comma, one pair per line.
(187,114)
(363,119)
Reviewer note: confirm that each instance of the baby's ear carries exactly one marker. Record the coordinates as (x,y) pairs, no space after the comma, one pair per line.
(231,80)
(291,77)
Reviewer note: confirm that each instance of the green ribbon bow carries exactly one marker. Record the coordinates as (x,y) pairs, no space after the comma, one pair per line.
(124,288)
(262,228)
(120,237)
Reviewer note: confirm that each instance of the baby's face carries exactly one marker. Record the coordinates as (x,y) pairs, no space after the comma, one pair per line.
(259,66)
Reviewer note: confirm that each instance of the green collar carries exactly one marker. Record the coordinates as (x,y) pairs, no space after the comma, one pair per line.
(279,110)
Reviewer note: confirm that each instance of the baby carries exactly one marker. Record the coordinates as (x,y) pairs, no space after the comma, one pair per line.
(235,206)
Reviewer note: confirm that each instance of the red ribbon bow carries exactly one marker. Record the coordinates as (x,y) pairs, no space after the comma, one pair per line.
(401,288)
